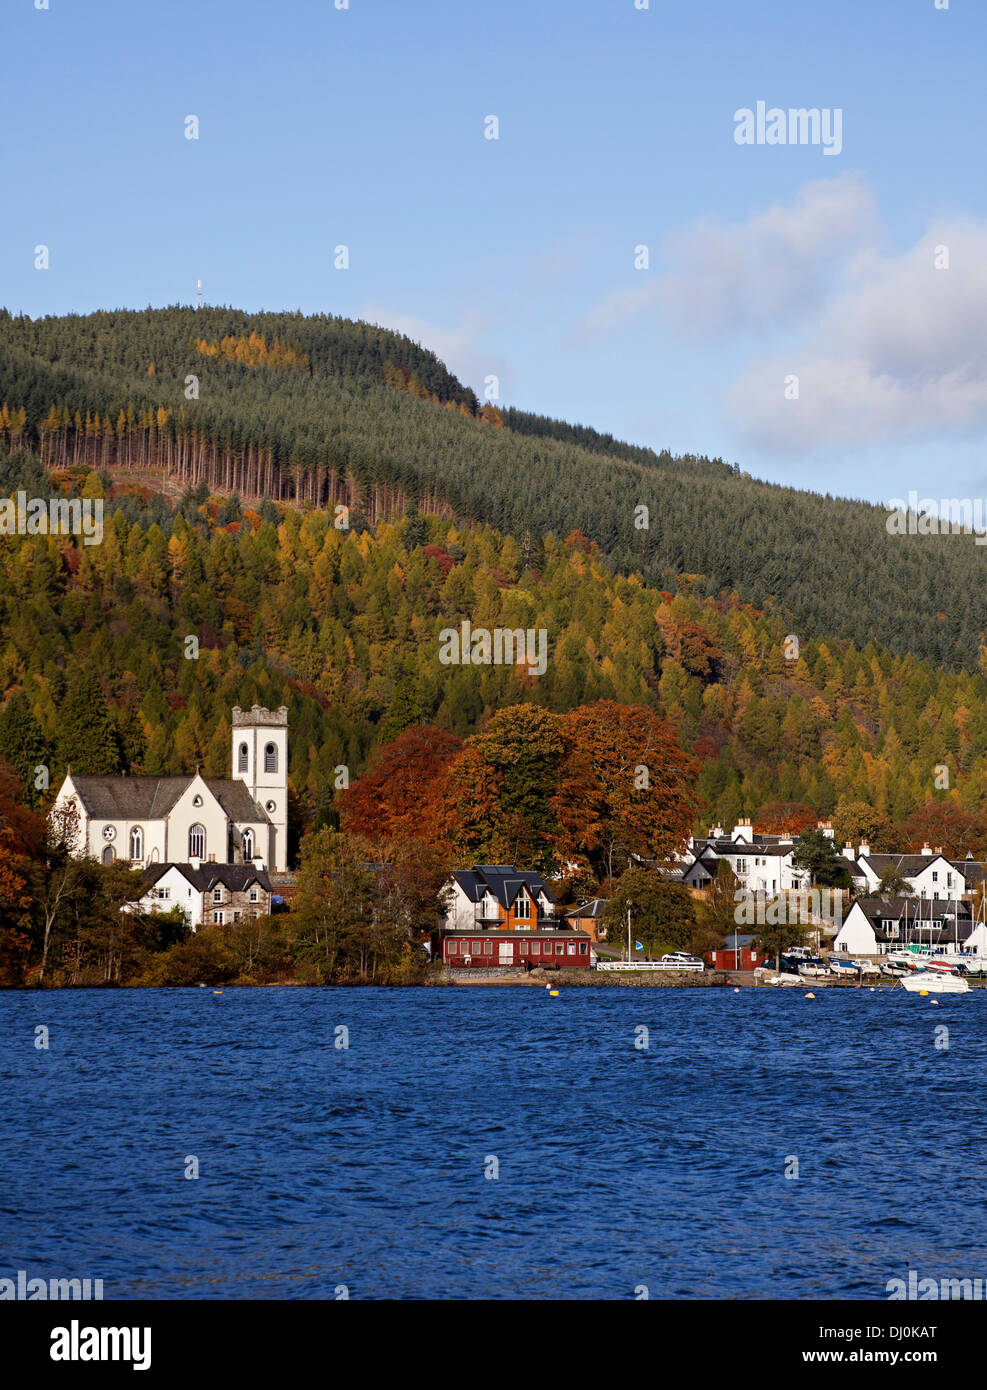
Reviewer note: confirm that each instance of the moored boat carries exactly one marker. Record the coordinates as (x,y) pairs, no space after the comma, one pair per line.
(934,982)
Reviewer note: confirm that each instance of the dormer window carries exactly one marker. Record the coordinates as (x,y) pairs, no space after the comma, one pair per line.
(522,908)
(217,895)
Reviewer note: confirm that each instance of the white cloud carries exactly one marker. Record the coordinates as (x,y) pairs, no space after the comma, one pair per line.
(772,270)
(899,353)
(756,275)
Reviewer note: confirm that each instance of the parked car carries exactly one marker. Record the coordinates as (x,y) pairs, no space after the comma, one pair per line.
(681,960)
(799,953)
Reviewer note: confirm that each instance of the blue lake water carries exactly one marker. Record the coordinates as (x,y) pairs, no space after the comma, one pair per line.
(321,1167)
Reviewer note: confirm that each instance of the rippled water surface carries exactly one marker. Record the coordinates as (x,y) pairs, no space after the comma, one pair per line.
(618,1167)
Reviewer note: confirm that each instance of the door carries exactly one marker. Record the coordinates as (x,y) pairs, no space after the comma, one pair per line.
(506,953)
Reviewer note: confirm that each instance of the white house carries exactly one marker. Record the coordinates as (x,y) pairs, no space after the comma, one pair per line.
(218,894)
(874,926)
(760,863)
(498,895)
(928,874)
(159,820)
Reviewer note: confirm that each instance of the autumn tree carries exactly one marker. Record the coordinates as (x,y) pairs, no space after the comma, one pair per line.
(624,786)
(662,914)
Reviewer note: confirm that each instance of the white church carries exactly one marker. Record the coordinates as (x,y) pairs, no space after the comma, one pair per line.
(194,820)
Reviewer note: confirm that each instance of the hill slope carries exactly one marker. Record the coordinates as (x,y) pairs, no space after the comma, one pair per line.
(331,411)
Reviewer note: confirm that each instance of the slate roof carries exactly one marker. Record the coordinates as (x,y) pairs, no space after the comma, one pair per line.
(129,798)
(151,798)
(503,881)
(594,908)
(920,909)
(923,914)
(908,865)
(236,877)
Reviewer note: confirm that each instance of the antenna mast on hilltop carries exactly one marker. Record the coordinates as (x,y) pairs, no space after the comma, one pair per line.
(198,294)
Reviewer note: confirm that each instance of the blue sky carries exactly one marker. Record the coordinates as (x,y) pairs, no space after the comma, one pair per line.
(515,257)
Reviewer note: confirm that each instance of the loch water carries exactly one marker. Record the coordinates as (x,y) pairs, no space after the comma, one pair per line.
(492,1142)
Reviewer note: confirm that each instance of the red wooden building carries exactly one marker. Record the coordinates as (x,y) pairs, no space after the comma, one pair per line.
(728,958)
(481,950)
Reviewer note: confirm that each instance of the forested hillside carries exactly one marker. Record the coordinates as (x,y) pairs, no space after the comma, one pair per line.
(324,410)
(344,628)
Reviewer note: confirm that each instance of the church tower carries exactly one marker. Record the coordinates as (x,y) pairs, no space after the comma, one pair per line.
(260,759)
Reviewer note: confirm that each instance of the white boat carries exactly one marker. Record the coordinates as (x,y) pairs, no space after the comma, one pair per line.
(784,979)
(932,982)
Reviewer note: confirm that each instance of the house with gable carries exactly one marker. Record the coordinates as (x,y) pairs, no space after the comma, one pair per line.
(166,820)
(497,896)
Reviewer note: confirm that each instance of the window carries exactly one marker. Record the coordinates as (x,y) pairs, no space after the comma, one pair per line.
(197,842)
(108,855)
(236,916)
(741,866)
(254,895)
(243,758)
(935,876)
(488,948)
(452,948)
(219,919)
(522,908)
(524,948)
(137,843)
(559,947)
(572,948)
(270,758)
(164,892)
(217,895)
(582,948)
(248,845)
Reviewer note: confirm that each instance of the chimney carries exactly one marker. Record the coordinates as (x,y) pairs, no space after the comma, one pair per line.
(257,862)
(938,849)
(864,849)
(826,827)
(926,849)
(195,864)
(848,852)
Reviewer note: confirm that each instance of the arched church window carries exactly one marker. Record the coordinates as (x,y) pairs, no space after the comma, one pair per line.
(197,842)
(248,845)
(270,758)
(137,843)
(243,758)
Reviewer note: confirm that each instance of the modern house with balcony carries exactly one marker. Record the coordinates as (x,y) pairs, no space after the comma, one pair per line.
(498,897)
